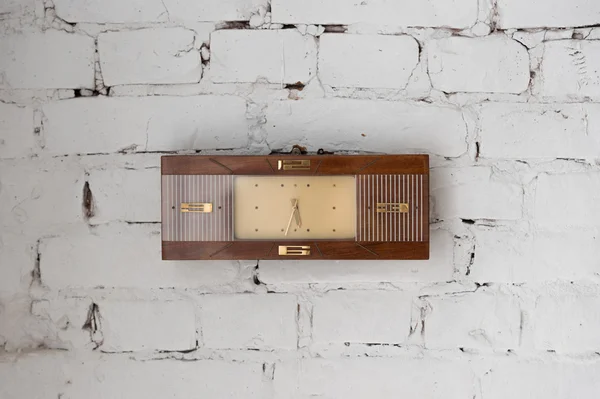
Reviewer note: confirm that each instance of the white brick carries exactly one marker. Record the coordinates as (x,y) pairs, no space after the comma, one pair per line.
(17,261)
(362,125)
(362,317)
(16,131)
(161,123)
(473,193)
(535,379)
(568,200)
(249,321)
(381,378)
(125,195)
(147,325)
(40,197)
(111,11)
(493,64)
(567,323)
(508,256)
(53,59)
(152,56)
(16,8)
(53,374)
(123,256)
(439,267)
(553,13)
(520,131)
(116,11)
(64,319)
(374,61)
(454,14)
(481,319)
(569,70)
(279,56)
(224,10)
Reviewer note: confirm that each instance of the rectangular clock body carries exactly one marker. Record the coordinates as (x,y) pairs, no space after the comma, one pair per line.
(295,207)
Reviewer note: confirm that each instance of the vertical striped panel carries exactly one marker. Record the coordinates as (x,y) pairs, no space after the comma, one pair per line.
(214,226)
(392,227)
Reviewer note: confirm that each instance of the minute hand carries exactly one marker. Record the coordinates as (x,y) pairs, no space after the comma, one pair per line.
(297,213)
(294,208)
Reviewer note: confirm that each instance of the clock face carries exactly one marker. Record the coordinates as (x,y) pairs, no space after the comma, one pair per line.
(294,207)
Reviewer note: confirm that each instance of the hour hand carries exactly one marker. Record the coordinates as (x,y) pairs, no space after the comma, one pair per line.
(296,212)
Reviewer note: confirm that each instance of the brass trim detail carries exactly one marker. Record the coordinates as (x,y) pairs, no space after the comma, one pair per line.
(196,207)
(293,164)
(291,250)
(398,207)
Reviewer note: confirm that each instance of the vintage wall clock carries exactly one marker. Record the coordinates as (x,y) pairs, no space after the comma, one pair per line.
(295,207)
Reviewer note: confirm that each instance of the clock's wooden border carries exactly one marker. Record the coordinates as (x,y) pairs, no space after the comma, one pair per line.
(319,165)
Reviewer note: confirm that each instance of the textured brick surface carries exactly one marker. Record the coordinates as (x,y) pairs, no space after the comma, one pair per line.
(147,325)
(144,124)
(474,193)
(514,131)
(384,61)
(503,95)
(555,13)
(277,56)
(16,131)
(249,321)
(494,64)
(381,378)
(456,13)
(360,124)
(149,56)
(465,320)
(569,70)
(346,316)
(52,59)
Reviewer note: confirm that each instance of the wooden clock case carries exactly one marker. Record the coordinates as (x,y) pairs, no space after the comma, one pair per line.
(391,197)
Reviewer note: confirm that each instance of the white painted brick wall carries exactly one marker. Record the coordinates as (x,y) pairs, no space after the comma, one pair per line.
(374,61)
(53,59)
(504,97)
(480,319)
(365,317)
(577,195)
(373,377)
(116,11)
(16,131)
(567,323)
(130,195)
(515,131)
(474,193)
(551,379)
(283,56)
(521,256)
(493,64)
(358,125)
(454,14)
(126,57)
(147,325)
(164,123)
(569,70)
(95,259)
(555,13)
(16,8)
(249,321)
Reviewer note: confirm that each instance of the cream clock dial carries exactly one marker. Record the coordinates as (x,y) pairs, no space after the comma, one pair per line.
(294,207)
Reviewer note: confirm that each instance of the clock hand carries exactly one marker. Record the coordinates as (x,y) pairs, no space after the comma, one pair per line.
(294,209)
(298,220)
